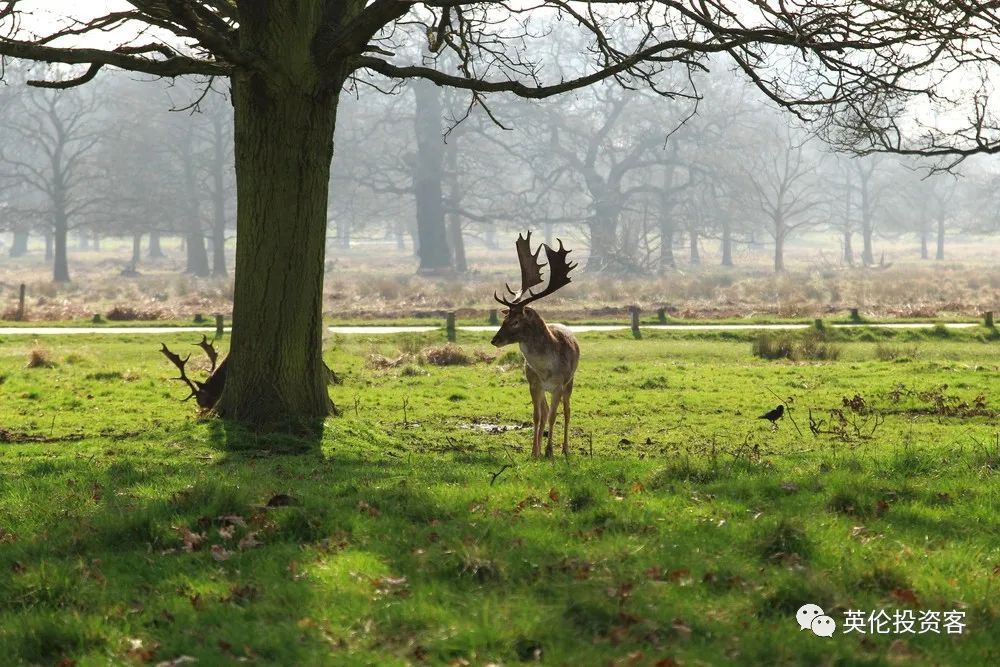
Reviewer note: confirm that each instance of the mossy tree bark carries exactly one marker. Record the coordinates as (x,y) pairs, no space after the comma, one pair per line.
(284,123)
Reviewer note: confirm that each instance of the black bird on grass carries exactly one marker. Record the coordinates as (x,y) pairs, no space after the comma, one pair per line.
(774,415)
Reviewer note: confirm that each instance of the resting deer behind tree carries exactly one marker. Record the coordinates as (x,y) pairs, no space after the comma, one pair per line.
(550,351)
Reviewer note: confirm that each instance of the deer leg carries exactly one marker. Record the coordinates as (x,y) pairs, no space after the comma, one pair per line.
(538,416)
(565,401)
(556,397)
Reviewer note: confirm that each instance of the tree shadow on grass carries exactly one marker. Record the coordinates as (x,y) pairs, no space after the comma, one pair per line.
(287,559)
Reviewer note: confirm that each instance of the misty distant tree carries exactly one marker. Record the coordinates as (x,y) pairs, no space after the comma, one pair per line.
(783,178)
(289,61)
(57,131)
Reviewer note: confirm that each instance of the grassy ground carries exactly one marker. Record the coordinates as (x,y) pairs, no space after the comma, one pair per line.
(682,530)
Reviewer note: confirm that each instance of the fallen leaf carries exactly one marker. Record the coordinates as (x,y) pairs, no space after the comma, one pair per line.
(139,651)
(369,509)
(553,495)
(226,532)
(249,541)
(219,553)
(681,629)
(638,487)
(192,541)
(905,595)
(179,660)
(681,576)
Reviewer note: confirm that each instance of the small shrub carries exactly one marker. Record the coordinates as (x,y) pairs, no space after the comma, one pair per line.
(814,346)
(484,357)
(510,358)
(130,314)
(447,355)
(810,346)
(770,346)
(39,358)
(785,540)
(939,330)
(889,352)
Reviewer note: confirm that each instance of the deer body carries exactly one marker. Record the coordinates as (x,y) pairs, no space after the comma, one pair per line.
(551,353)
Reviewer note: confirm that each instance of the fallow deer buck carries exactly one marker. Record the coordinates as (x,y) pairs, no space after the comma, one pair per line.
(550,351)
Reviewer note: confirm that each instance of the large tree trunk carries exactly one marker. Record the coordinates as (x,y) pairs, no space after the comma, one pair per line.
(667,260)
(603,236)
(693,254)
(60,265)
(218,198)
(455,238)
(848,232)
(19,248)
(924,232)
(284,125)
(136,249)
(343,232)
(155,251)
(197,255)
(428,172)
(779,246)
(727,243)
(940,239)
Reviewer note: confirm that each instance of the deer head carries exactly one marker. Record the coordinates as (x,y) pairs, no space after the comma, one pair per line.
(517,317)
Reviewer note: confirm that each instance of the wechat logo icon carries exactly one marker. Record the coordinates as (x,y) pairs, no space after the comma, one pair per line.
(812,617)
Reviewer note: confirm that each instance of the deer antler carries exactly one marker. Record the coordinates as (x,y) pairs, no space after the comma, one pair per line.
(176,360)
(531,275)
(209,350)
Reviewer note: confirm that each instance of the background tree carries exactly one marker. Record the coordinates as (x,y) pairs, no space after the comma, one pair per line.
(289,61)
(59,127)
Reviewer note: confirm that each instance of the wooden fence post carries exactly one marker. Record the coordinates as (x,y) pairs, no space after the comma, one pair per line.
(494,319)
(855,315)
(449,326)
(661,315)
(20,304)
(219,328)
(634,323)
(988,317)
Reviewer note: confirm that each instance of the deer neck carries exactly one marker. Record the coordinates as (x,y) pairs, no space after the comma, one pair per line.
(537,340)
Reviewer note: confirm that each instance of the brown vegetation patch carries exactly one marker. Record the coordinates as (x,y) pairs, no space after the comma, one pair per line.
(129,314)
(447,355)
(379,362)
(39,358)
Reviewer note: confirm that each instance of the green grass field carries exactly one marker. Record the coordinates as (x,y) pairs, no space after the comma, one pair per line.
(682,530)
